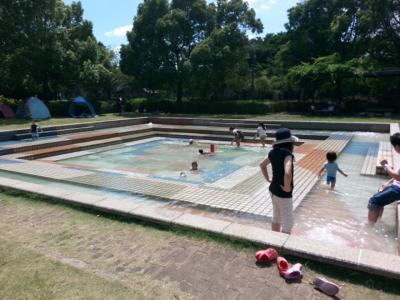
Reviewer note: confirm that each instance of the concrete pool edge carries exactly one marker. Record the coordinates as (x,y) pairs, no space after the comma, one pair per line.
(368,261)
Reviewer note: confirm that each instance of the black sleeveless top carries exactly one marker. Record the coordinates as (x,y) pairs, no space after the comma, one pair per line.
(277,158)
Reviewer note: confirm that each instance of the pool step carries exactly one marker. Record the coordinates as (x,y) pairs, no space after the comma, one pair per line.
(27,135)
(73,139)
(369,166)
(85,145)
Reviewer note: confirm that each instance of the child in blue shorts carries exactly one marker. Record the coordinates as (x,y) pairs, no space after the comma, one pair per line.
(35,128)
(331,168)
(390,191)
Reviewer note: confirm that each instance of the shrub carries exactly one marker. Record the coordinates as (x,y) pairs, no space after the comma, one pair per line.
(213,107)
(58,108)
(11,102)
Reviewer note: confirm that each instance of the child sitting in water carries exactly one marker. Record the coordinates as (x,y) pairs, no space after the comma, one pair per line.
(194,168)
(202,152)
(331,168)
(389,192)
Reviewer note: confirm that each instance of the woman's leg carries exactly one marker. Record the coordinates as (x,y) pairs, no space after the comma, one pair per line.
(379,200)
(287,214)
(276,214)
(276,227)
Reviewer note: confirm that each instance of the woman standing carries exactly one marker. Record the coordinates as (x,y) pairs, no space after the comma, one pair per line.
(281,186)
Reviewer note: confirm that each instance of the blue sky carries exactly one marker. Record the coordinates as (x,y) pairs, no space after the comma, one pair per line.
(112,18)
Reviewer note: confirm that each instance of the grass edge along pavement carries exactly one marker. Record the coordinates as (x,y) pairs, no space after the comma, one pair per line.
(333,272)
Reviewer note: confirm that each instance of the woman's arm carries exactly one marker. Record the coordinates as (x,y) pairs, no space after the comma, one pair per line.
(391,172)
(287,180)
(264,170)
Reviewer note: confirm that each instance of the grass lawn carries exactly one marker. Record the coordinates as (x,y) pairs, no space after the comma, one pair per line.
(25,274)
(295,117)
(6,124)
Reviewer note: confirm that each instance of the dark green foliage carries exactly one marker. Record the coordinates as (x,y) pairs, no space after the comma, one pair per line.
(189,49)
(50,50)
(213,107)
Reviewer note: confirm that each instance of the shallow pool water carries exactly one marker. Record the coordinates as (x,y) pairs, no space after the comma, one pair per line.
(340,216)
(171,159)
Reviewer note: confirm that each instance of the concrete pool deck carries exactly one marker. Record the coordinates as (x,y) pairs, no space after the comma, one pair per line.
(358,259)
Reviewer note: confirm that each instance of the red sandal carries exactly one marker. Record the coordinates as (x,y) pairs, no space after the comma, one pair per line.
(266,255)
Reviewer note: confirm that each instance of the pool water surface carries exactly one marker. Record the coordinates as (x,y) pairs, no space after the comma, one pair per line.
(171,159)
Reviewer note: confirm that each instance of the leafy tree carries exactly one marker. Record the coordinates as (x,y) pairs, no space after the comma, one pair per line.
(222,57)
(47,44)
(144,55)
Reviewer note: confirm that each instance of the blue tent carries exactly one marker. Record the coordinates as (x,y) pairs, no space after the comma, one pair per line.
(34,108)
(82,103)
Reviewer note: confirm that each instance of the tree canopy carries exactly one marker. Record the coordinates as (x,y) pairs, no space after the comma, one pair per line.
(50,50)
(193,49)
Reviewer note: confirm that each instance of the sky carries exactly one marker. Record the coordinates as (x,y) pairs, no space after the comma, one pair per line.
(112,18)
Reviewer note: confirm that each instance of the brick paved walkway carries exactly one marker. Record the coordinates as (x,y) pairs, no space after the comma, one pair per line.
(157,261)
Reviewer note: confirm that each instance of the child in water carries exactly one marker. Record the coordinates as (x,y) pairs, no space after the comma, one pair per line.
(195,167)
(238,136)
(389,192)
(261,133)
(331,168)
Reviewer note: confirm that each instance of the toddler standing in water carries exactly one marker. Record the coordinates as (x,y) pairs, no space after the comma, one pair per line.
(331,168)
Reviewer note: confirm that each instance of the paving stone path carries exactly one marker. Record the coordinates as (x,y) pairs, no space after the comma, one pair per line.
(164,264)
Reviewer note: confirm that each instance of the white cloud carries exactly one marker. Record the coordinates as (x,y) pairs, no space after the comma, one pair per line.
(119,31)
(268,4)
(261,4)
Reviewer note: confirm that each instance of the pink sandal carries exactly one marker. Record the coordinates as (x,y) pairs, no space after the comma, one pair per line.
(282,265)
(266,255)
(293,273)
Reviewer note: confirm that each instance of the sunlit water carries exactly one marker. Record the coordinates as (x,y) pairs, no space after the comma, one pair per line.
(171,159)
(340,216)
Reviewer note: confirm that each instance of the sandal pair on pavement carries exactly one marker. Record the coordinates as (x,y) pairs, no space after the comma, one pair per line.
(270,254)
(294,272)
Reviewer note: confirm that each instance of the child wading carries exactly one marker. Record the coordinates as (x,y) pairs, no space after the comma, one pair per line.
(331,168)
(390,191)
(238,136)
(261,133)
(281,187)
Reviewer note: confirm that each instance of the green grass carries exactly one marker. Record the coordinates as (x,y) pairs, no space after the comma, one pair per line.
(23,123)
(6,124)
(25,274)
(294,117)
